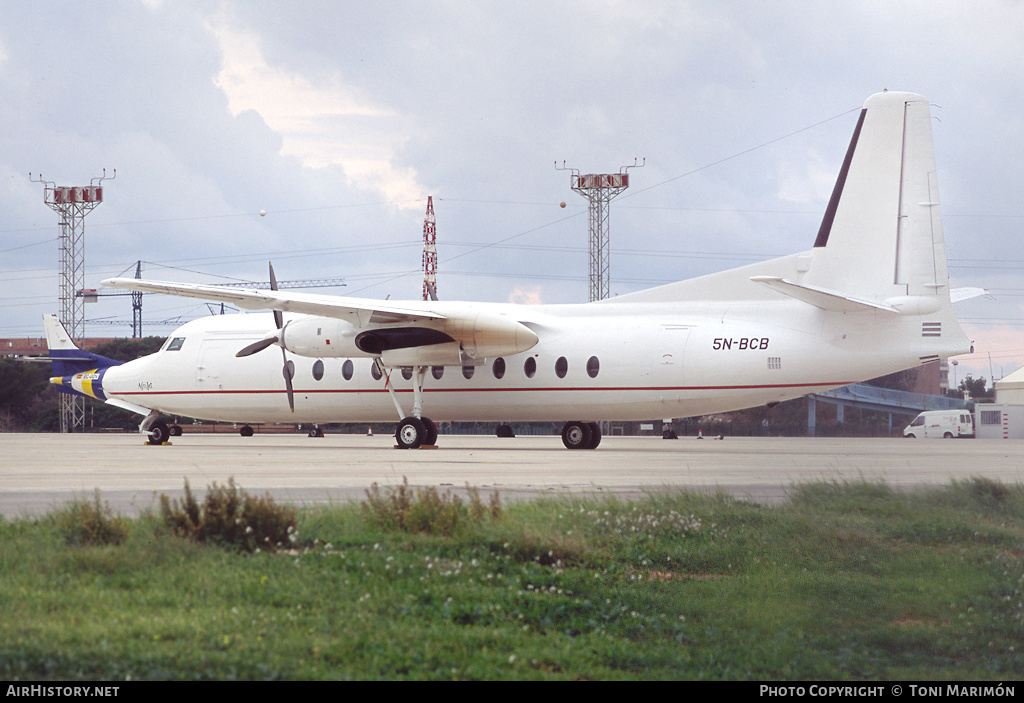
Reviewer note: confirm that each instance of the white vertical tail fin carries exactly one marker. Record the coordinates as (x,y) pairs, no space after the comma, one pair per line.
(881,236)
(880,246)
(57,337)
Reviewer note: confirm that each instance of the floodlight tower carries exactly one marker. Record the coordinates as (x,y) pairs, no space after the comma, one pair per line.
(429,252)
(72,204)
(137,305)
(600,189)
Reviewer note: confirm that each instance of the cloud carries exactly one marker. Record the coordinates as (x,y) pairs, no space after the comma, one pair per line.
(323,123)
(809,180)
(998,350)
(318,111)
(526,296)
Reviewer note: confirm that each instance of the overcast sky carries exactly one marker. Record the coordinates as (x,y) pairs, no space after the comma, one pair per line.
(340,118)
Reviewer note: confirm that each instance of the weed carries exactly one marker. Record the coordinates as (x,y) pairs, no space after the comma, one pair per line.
(426,510)
(91,522)
(990,496)
(229,516)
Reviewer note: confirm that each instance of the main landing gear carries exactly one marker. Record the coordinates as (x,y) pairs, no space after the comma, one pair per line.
(416,431)
(413,431)
(581,435)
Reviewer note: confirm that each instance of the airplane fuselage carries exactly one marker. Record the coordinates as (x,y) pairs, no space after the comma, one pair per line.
(593,362)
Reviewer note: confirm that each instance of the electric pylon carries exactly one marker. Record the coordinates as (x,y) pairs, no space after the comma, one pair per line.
(429,252)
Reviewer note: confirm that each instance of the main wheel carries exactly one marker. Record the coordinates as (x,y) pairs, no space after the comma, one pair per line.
(595,435)
(159,433)
(577,435)
(246,431)
(430,426)
(175,430)
(410,433)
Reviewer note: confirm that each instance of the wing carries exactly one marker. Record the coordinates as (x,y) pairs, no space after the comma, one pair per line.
(359,312)
(411,325)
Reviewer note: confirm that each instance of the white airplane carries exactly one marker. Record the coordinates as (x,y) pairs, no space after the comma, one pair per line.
(870,298)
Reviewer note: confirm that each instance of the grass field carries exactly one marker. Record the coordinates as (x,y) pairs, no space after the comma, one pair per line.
(843,581)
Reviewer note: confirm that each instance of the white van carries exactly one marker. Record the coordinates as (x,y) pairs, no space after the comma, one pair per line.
(941,423)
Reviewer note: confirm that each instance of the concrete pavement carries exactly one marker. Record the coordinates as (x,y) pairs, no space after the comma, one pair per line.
(40,471)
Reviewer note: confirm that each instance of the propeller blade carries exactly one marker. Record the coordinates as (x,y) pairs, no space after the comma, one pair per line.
(257,346)
(278,315)
(288,382)
(279,321)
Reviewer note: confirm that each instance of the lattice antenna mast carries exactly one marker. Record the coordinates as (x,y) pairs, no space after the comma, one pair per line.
(600,189)
(430,252)
(72,204)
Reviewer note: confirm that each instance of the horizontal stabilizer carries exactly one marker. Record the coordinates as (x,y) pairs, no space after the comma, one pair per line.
(958,294)
(832,301)
(85,359)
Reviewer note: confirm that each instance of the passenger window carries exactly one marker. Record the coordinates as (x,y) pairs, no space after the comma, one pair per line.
(318,369)
(407,373)
(437,372)
(175,344)
(347,369)
(530,367)
(467,371)
(375,372)
(561,367)
(498,367)
(593,367)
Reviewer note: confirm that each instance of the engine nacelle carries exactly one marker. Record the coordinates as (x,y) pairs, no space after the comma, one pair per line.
(444,354)
(487,335)
(449,341)
(320,337)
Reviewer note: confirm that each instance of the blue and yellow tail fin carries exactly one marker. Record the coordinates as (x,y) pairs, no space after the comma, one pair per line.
(73,370)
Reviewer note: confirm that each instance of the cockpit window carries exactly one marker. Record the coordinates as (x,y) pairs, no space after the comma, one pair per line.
(175,344)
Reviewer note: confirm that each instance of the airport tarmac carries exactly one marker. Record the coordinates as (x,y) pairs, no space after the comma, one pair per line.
(41,471)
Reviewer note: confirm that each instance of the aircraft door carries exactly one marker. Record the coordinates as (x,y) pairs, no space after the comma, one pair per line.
(210,363)
(668,359)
